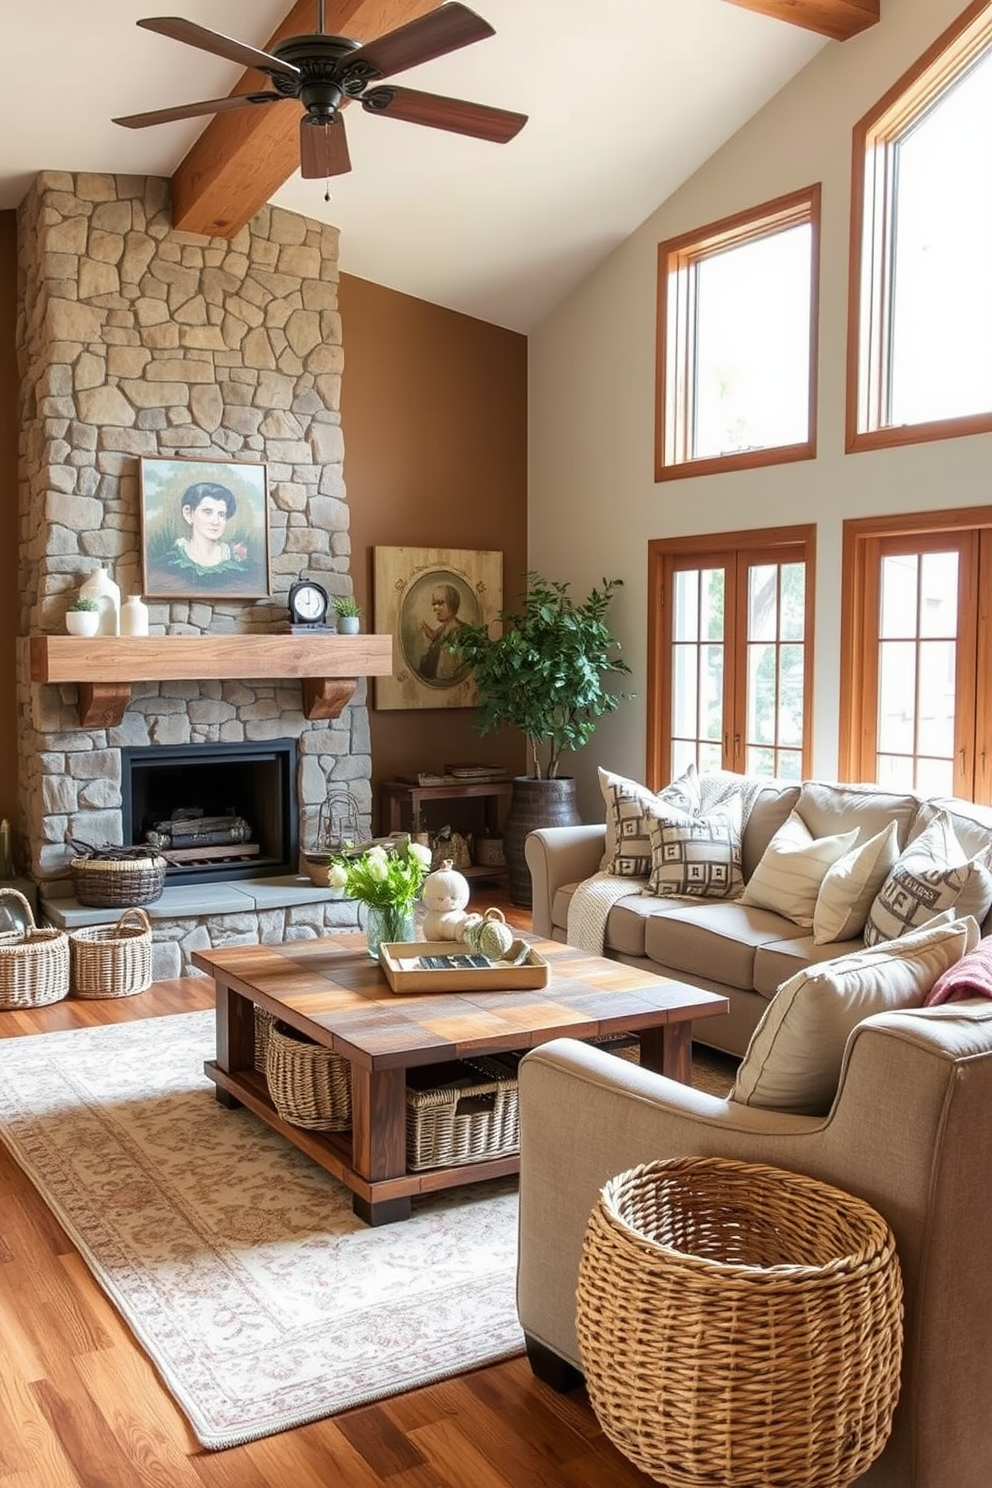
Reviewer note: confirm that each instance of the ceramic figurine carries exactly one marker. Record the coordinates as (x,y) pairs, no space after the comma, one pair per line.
(445,895)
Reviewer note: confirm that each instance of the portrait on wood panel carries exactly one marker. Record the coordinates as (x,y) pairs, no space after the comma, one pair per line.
(204,529)
(422,597)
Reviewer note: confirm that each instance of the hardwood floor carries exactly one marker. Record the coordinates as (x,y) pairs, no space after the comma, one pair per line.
(81,1407)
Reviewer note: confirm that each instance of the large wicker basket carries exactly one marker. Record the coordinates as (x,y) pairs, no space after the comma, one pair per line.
(112,960)
(118,883)
(34,963)
(471,1115)
(739,1325)
(308,1084)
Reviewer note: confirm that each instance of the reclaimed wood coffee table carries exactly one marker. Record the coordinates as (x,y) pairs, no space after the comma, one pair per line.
(331,991)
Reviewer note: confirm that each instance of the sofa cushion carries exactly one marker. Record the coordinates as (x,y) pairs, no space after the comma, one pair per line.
(850,885)
(628,847)
(626,922)
(826,807)
(931,874)
(794,1058)
(714,941)
(769,809)
(788,877)
(699,856)
(779,960)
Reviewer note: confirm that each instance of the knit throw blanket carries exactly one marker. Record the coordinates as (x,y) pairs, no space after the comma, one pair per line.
(590,905)
(969,977)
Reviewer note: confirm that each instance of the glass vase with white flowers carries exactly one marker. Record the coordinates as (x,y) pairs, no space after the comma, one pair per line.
(386,879)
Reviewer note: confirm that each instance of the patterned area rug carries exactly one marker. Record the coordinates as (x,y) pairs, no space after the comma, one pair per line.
(261,1300)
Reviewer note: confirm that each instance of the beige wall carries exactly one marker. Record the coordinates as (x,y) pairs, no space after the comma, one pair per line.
(8,486)
(434,413)
(592,389)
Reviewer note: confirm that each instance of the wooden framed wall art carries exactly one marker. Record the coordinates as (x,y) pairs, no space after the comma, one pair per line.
(204,529)
(422,596)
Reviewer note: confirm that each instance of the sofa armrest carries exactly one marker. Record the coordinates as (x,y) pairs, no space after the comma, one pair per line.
(560,855)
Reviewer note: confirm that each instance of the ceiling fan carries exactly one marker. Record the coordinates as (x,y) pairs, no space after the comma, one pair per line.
(323,72)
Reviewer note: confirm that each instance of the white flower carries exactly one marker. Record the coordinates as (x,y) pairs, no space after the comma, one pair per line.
(421,853)
(377,862)
(337,876)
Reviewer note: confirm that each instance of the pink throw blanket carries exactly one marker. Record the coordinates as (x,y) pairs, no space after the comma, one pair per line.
(969,977)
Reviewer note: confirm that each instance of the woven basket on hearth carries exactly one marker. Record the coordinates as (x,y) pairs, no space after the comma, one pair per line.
(112,960)
(34,963)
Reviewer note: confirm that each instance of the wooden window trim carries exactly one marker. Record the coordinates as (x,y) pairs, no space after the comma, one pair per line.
(859,599)
(705,547)
(872,141)
(676,257)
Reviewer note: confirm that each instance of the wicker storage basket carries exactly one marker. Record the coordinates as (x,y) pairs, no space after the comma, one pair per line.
(118,883)
(472,1115)
(739,1325)
(34,963)
(112,960)
(309,1085)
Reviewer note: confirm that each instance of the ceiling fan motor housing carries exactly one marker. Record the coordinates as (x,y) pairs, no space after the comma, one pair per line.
(324,76)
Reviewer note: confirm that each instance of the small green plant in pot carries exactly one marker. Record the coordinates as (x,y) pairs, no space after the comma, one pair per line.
(349,614)
(544,674)
(83,617)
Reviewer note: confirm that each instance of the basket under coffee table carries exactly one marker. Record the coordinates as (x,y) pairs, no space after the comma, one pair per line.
(331,991)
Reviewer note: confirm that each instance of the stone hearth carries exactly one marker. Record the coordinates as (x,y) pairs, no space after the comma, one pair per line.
(136,340)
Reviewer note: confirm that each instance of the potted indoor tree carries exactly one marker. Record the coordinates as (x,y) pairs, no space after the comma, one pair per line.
(544,674)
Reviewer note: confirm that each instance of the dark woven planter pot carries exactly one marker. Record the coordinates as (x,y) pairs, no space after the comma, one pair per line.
(535,803)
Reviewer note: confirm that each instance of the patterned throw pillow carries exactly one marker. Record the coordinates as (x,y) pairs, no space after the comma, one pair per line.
(930,875)
(628,847)
(791,869)
(697,856)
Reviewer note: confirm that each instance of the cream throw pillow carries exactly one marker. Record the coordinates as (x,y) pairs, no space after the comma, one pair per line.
(698,856)
(931,874)
(793,1061)
(850,886)
(628,846)
(792,868)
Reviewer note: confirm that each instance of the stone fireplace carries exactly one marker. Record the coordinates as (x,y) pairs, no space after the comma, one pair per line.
(136,340)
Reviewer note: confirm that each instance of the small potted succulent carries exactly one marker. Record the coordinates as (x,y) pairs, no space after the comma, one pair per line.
(349,614)
(82,618)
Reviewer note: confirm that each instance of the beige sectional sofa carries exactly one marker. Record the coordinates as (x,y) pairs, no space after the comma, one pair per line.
(728,945)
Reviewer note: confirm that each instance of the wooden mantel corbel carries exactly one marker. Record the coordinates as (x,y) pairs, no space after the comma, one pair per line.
(105,667)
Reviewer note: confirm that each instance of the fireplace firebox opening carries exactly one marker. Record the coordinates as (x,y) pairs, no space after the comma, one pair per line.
(214,810)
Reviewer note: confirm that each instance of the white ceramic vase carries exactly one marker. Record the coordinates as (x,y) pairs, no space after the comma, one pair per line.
(101,587)
(134,616)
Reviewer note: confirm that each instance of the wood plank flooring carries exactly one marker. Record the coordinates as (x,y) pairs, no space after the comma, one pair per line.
(81,1407)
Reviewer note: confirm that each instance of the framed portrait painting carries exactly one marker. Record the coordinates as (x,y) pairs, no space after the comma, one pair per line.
(204,529)
(422,596)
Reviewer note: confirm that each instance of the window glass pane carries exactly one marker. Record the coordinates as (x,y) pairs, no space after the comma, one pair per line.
(761,694)
(751,363)
(683,755)
(762,595)
(791,662)
(939,594)
(760,761)
(713,587)
(895,772)
(711,702)
(896,696)
(942,289)
(898,603)
(686,607)
(685,660)
(934,777)
(790,765)
(710,758)
(936,707)
(793,617)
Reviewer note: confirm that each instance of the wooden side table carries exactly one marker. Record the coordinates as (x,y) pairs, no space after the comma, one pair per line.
(403,805)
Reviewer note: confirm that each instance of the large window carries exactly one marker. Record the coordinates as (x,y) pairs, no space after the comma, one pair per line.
(737,341)
(916,709)
(921,314)
(730,666)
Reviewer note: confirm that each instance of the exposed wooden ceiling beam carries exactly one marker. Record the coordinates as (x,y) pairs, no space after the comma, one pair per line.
(242,158)
(838,19)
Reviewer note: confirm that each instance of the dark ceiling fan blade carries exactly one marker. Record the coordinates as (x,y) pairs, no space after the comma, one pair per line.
(440,31)
(192,110)
(323,149)
(213,41)
(437,112)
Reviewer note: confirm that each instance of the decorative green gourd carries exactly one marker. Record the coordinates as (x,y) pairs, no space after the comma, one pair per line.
(492,936)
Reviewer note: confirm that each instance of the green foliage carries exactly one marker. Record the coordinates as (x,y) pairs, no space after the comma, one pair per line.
(544,674)
(344,604)
(84,604)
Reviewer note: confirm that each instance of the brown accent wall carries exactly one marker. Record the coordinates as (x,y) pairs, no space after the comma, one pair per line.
(434,415)
(8,504)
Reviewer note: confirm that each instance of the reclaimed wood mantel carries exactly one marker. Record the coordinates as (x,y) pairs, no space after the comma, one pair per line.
(104,667)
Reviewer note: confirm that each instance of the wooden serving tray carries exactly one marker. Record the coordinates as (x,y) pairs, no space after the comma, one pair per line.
(399,960)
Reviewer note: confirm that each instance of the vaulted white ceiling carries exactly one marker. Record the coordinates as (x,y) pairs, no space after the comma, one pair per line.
(622,110)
